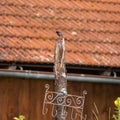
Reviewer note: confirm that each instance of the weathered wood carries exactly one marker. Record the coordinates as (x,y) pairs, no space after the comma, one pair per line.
(25,96)
(60,76)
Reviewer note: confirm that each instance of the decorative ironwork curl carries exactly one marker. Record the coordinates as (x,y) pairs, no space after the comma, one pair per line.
(68,101)
(49,96)
(79,101)
(84,92)
(76,103)
(60,100)
(47,86)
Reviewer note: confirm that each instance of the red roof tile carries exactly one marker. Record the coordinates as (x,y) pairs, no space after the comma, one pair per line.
(91,29)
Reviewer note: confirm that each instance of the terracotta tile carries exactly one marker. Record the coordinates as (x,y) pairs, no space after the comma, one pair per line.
(91,30)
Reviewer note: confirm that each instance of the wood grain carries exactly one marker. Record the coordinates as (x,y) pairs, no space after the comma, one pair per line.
(24,96)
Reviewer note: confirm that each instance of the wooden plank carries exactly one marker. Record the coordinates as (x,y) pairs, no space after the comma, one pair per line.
(26,97)
(23,98)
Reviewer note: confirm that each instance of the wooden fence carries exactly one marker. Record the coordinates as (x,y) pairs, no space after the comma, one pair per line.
(25,96)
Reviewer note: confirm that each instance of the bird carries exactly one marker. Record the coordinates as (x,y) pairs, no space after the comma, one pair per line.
(13,66)
(107,72)
(59,34)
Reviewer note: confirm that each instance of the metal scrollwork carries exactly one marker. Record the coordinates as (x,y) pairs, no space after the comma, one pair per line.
(76,103)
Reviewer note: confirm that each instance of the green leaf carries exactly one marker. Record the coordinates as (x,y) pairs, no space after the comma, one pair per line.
(21,117)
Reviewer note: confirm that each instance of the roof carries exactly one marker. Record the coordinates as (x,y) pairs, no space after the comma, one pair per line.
(91,29)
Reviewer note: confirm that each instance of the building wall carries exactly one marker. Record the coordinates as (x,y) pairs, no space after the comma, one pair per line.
(25,96)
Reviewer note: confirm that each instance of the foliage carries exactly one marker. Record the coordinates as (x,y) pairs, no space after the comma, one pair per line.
(21,117)
(116,116)
(96,113)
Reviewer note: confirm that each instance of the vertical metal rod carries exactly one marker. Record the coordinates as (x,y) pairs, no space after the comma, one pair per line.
(60,75)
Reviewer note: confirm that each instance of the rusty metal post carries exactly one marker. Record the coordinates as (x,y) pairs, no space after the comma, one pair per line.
(60,75)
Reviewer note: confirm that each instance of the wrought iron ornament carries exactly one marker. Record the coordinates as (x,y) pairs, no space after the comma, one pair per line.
(76,103)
